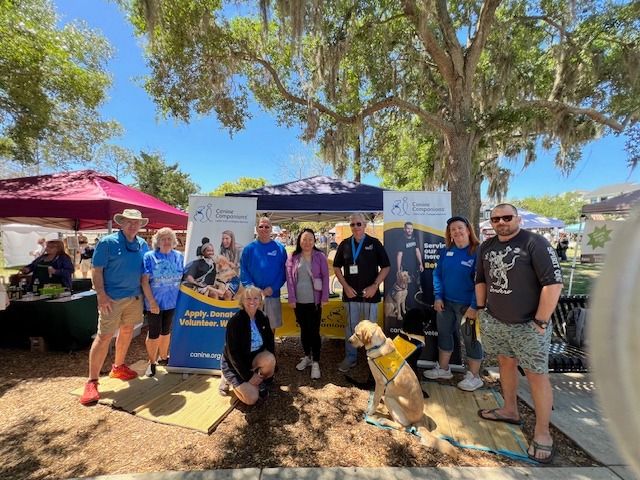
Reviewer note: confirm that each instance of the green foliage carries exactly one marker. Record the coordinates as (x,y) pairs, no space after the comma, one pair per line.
(566,206)
(115,160)
(52,82)
(431,93)
(240,185)
(153,176)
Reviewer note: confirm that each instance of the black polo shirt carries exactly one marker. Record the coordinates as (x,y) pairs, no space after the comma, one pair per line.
(371,259)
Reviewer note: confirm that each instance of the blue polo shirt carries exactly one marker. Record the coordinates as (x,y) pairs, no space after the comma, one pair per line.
(121,262)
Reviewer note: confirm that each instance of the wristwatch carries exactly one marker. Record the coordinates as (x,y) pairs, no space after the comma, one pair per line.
(541,323)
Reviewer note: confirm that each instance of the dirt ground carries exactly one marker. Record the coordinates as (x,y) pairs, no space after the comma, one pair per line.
(46,433)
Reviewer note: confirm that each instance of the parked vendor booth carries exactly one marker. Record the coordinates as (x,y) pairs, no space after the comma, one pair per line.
(81,200)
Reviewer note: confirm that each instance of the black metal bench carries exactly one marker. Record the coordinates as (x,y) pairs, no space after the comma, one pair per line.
(562,356)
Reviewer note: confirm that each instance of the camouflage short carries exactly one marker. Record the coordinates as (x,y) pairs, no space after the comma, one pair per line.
(522,341)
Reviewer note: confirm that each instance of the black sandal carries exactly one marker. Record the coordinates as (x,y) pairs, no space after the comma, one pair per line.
(538,447)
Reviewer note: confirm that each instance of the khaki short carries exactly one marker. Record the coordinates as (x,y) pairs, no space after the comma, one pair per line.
(126,311)
(273,309)
(85,265)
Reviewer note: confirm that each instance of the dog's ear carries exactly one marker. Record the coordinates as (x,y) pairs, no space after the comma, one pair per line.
(366,332)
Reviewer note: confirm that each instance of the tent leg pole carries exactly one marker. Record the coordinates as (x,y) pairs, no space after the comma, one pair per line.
(575,255)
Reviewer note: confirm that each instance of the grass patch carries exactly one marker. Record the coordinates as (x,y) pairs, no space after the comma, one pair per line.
(583,277)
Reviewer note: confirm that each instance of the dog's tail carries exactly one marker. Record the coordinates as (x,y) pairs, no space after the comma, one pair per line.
(429,440)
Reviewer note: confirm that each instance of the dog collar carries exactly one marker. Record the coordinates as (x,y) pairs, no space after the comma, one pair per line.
(374,348)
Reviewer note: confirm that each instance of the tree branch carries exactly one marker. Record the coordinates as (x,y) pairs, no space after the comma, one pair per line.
(429,42)
(593,114)
(485,20)
(429,118)
(548,20)
(452,45)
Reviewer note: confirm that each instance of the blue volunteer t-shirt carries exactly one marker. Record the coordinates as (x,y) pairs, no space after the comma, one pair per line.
(256,337)
(165,273)
(121,262)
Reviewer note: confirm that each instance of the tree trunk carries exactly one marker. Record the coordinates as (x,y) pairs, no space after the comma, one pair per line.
(465,197)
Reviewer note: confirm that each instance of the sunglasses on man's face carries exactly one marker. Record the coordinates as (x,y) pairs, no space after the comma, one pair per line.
(355,224)
(264,226)
(504,218)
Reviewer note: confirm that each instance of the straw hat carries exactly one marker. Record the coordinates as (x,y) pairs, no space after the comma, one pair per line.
(130,214)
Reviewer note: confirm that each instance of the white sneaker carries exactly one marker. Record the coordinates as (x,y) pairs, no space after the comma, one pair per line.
(304,363)
(470,382)
(224,388)
(151,370)
(315,370)
(438,373)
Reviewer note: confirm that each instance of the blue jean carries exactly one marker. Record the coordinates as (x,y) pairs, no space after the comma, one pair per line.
(357,311)
(449,326)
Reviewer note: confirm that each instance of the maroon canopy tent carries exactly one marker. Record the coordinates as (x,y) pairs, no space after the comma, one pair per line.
(82,200)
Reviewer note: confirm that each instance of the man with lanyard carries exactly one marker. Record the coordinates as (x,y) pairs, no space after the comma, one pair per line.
(117,273)
(365,264)
(518,283)
(409,259)
(262,265)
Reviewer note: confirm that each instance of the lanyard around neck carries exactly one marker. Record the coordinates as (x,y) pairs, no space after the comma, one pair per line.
(355,251)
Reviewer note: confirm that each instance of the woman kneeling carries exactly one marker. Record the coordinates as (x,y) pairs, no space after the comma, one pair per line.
(248,358)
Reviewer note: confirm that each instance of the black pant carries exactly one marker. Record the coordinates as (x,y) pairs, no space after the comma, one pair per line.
(308,316)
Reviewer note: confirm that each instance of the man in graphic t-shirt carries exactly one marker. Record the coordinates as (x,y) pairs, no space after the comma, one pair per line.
(518,283)
(409,259)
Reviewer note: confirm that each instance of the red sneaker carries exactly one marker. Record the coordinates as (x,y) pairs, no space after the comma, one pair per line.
(90,394)
(122,372)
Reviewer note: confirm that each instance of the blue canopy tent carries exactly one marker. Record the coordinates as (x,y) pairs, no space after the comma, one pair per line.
(531,221)
(318,198)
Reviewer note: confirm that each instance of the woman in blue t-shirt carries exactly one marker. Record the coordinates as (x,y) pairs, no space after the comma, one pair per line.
(163,267)
(455,298)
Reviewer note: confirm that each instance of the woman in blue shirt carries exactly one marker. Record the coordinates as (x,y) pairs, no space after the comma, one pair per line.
(455,298)
(163,268)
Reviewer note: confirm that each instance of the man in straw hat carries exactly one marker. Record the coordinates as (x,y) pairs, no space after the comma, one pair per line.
(117,271)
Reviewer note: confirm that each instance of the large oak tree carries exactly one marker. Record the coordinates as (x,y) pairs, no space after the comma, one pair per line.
(465,81)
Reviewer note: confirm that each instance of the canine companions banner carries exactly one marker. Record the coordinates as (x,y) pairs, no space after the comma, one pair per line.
(198,331)
(414,228)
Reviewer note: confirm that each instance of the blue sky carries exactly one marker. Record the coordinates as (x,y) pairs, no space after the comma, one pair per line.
(207,152)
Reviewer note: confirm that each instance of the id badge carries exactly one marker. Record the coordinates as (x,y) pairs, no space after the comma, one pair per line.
(353,269)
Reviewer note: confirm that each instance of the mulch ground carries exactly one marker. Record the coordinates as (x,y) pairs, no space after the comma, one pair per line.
(46,433)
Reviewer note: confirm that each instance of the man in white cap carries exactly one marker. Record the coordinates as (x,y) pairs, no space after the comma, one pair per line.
(117,270)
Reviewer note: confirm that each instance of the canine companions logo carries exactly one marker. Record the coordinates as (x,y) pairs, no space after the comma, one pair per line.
(272,253)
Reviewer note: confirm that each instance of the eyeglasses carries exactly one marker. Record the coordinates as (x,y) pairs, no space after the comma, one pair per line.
(264,226)
(504,218)
(355,224)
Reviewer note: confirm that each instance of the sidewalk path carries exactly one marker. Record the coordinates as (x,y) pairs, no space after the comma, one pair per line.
(388,473)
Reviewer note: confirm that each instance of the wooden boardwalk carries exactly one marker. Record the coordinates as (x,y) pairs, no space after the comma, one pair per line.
(191,401)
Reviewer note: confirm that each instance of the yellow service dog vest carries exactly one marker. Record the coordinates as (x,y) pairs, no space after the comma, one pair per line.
(390,364)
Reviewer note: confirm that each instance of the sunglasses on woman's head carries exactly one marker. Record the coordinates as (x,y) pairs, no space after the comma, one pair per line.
(355,224)
(504,218)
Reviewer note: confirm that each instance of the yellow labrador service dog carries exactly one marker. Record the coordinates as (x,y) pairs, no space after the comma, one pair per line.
(399,387)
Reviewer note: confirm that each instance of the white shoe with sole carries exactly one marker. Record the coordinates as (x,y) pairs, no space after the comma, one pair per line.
(438,373)
(470,382)
(304,363)
(315,370)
